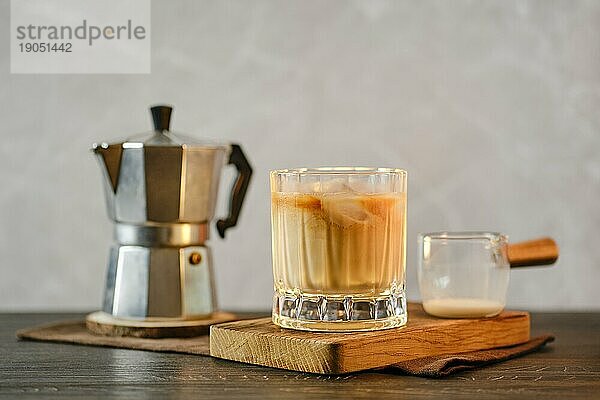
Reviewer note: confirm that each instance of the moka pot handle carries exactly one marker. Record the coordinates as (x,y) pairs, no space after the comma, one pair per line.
(238,191)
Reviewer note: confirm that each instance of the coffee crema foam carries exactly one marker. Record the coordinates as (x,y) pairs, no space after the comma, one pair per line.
(331,243)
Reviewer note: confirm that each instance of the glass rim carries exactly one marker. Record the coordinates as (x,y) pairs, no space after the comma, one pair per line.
(338,171)
(463,235)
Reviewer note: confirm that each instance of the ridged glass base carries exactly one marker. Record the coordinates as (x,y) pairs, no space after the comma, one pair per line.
(312,312)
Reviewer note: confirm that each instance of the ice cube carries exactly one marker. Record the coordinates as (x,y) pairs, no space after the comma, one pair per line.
(360,186)
(368,184)
(345,210)
(335,185)
(308,187)
(289,186)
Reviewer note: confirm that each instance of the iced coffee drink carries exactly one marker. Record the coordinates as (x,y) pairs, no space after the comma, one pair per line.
(338,248)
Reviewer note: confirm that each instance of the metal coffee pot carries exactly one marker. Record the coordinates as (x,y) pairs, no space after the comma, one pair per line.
(161,191)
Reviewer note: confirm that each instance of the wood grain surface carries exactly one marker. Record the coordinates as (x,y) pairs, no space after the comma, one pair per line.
(543,251)
(261,342)
(102,323)
(568,369)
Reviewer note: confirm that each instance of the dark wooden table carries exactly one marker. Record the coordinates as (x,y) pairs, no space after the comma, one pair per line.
(569,368)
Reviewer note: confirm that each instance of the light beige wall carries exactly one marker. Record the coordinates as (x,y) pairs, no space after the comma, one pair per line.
(493,107)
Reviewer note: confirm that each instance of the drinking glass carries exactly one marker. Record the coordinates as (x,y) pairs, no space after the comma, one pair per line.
(463,274)
(338,242)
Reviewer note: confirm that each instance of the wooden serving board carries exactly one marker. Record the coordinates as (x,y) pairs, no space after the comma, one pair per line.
(259,341)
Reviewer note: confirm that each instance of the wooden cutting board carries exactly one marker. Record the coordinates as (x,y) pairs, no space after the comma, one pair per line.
(259,341)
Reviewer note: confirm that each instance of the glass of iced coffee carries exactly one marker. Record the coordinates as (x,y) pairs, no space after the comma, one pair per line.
(338,242)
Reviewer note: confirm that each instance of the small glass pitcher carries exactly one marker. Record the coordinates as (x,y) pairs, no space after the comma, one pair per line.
(463,274)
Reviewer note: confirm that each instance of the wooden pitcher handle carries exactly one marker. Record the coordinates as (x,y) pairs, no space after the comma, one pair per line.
(543,251)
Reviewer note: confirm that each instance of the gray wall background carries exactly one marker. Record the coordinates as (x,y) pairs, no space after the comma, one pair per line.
(493,107)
